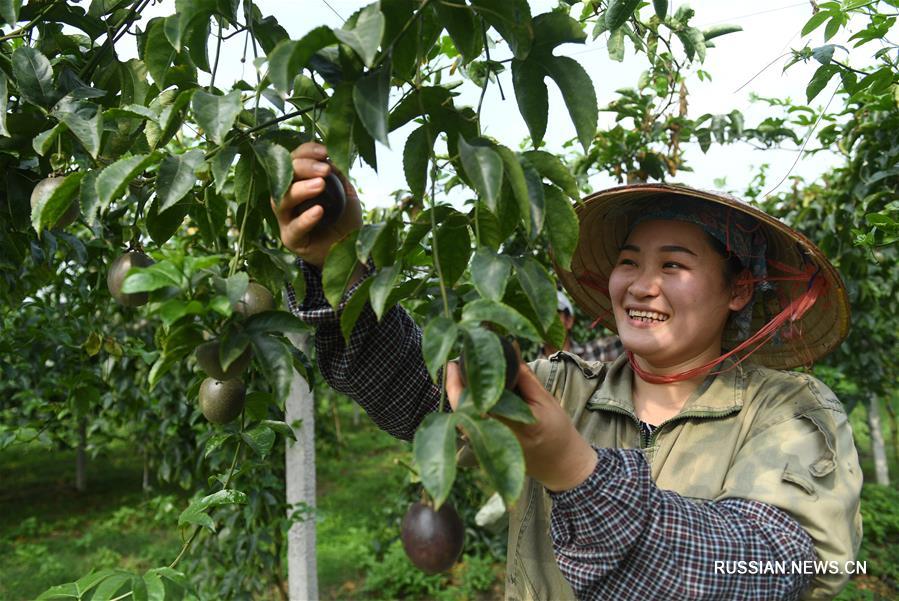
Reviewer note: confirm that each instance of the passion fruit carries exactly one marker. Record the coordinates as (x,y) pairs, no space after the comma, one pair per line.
(209,361)
(432,540)
(255,300)
(116,277)
(221,401)
(332,199)
(43,190)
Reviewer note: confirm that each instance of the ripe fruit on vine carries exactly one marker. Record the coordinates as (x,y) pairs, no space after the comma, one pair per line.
(221,401)
(432,539)
(332,199)
(209,362)
(115,277)
(255,300)
(43,190)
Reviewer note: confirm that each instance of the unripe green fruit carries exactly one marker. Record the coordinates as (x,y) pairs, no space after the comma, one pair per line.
(43,190)
(116,277)
(255,300)
(221,401)
(432,540)
(208,360)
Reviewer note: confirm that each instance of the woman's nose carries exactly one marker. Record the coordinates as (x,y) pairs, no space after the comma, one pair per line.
(645,283)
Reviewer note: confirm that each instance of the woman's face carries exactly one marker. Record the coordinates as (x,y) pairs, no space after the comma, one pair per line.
(669,295)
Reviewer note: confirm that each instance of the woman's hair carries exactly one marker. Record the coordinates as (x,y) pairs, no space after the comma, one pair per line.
(733,266)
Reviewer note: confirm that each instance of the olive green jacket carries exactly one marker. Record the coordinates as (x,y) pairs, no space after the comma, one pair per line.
(777,437)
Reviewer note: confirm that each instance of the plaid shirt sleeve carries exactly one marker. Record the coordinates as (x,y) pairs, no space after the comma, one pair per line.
(618,536)
(381,368)
(605,349)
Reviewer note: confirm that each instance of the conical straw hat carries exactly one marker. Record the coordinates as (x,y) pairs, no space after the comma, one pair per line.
(607,217)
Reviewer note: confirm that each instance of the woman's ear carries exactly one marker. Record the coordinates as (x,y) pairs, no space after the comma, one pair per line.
(742,290)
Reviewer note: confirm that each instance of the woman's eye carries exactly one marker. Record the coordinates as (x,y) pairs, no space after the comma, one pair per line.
(671,265)
(626,262)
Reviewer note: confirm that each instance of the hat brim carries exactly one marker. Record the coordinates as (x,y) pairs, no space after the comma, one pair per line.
(607,216)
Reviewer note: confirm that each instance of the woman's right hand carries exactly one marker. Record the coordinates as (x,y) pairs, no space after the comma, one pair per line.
(299,232)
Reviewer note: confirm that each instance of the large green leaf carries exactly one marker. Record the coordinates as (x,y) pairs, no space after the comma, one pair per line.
(353,308)
(512,407)
(512,19)
(539,288)
(290,57)
(434,448)
(485,366)
(9,11)
(277,322)
(453,243)
(661,8)
(196,511)
(260,438)
(158,52)
(514,174)
(464,29)
(381,287)
(503,315)
(276,161)
(47,209)
(416,155)
(437,341)
(615,45)
(33,76)
(618,12)
(84,120)
(340,117)
(578,93)
(490,273)
(532,97)
(555,28)
(484,167)
(216,114)
(338,269)
(221,166)
(365,35)
(177,176)
(371,94)
(561,226)
(155,277)
(535,212)
(277,363)
(498,453)
(552,168)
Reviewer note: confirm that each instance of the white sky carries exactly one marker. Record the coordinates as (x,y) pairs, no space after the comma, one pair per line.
(770,29)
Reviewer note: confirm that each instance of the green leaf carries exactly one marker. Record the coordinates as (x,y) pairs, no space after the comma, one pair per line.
(84,120)
(4,99)
(365,36)
(416,154)
(371,94)
(114,179)
(368,237)
(338,269)
(498,453)
(514,174)
(113,585)
(555,28)
(155,587)
(196,511)
(820,80)
(155,277)
(485,366)
(47,210)
(278,322)
(9,11)
(260,438)
(552,168)
(177,176)
(33,75)
(484,167)
(618,12)
(61,591)
(340,116)
(823,54)
(495,312)
(277,363)
(512,407)
(278,165)
(437,341)
(170,120)
(381,287)
(290,57)
(221,165)
(534,213)
(490,273)
(216,441)
(579,95)
(532,97)
(174,309)
(353,307)
(158,52)
(616,45)
(661,8)
(561,225)
(86,583)
(463,28)
(719,30)
(815,22)
(235,287)
(162,225)
(434,448)
(539,288)
(216,114)
(512,19)
(453,244)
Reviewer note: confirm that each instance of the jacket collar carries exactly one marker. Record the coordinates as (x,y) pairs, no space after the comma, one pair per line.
(719,394)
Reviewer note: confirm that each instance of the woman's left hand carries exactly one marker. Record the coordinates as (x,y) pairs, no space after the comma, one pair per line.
(554,451)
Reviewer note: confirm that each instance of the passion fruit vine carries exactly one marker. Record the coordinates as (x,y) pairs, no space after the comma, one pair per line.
(432,540)
(116,277)
(221,401)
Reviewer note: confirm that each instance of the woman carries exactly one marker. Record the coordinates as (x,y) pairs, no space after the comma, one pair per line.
(677,471)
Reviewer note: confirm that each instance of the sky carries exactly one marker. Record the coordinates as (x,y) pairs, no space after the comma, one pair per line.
(740,66)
